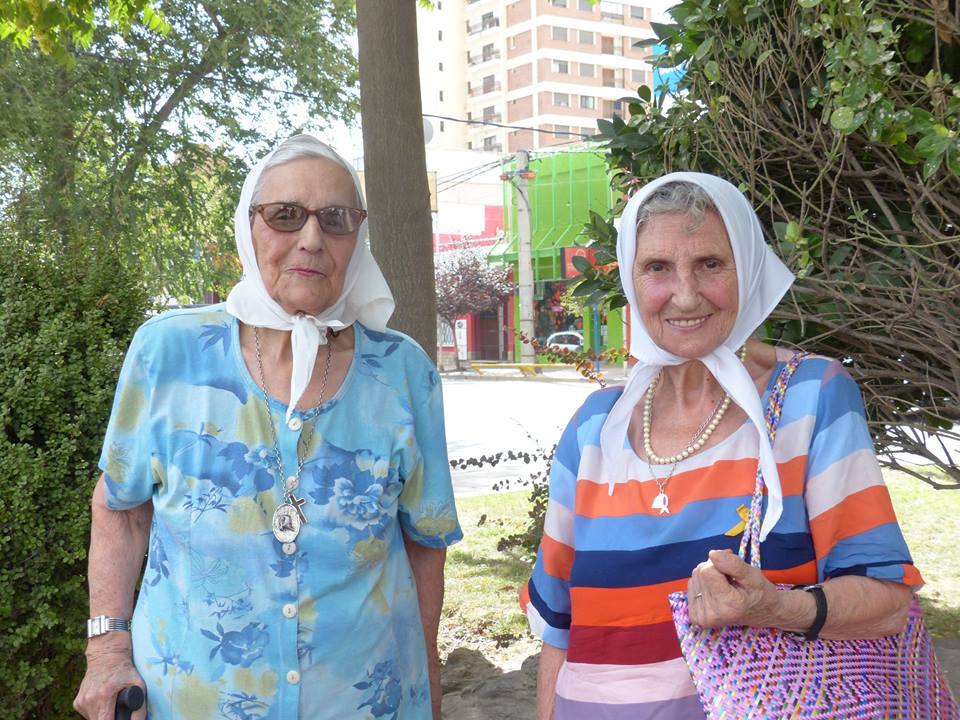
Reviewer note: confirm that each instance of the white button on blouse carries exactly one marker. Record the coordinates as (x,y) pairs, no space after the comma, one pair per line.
(293,677)
(295,423)
(289,610)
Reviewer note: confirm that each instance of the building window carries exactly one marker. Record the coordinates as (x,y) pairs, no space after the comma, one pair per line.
(487,53)
(469,145)
(487,21)
(513,42)
(586,37)
(560,34)
(440,66)
(588,102)
(611,10)
(585,5)
(637,76)
(558,3)
(489,112)
(561,130)
(561,67)
(586,70)
(439,34)
(637,12)
(490,142)
(489,83)
(441,96)
(441,126)
(561,99)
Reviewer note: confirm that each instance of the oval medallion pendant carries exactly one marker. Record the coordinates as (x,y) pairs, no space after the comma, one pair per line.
(286,523)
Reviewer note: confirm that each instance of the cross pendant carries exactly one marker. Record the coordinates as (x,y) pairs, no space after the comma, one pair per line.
(297,502)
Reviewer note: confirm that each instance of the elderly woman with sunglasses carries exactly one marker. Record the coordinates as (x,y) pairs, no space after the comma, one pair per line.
(651,483)
(281,461)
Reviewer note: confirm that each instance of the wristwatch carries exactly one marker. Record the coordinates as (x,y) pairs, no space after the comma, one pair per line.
(102,624)
(821,599)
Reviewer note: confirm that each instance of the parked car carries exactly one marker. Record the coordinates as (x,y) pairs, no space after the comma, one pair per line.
(567,340)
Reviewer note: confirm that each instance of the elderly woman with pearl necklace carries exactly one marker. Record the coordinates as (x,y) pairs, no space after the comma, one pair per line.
(651,482)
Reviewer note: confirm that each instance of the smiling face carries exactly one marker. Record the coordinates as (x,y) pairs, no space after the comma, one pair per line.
(686,283)
(304,270)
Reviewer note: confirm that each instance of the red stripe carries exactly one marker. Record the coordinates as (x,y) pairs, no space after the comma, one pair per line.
(623,645)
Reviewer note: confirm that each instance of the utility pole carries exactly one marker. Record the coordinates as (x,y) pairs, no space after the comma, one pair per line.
(525,256)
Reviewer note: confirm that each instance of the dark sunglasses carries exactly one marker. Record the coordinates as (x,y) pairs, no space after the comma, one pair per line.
(290,217)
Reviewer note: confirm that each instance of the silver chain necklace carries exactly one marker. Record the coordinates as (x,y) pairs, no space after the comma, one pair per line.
(288,518)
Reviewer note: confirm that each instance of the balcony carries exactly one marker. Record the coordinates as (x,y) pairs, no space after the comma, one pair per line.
(483,57)
(479,27)
(484,89)
(494,118)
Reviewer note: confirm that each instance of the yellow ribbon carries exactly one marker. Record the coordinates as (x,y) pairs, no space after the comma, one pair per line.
(744,512)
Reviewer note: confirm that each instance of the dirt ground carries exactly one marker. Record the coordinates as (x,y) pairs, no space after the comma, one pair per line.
(475,688)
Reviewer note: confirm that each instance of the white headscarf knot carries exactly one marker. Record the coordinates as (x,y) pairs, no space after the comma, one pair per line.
(365,295)
(762,281)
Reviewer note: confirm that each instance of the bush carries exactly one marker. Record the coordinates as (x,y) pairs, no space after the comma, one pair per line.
(66,317)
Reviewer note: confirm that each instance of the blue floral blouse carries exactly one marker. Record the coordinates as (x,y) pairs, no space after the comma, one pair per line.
(229,623)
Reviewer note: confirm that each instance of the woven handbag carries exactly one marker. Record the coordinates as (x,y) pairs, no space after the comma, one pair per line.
(744,672)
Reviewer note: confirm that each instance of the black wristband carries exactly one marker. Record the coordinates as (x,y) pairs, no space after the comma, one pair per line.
(818,622)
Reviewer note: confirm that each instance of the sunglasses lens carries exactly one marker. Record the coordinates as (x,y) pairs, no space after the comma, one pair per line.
(285,218)
(339,220)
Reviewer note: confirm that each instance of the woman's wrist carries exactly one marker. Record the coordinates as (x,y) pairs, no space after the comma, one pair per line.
(796,611)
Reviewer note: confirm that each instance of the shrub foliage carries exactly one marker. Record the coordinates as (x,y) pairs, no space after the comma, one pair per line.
(66,317)
(839,119)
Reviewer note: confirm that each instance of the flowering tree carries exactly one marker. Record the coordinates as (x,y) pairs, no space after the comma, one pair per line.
(466,283)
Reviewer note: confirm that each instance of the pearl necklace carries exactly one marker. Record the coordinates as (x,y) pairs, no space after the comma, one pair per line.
(700,437)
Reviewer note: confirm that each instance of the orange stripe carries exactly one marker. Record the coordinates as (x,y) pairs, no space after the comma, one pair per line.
(557,557)
(856,513)
(722,479)
(805,574)
(624,607)
(911,576)
(524,597)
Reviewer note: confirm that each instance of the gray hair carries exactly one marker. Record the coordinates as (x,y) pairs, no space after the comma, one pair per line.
(676,197)
(299,147)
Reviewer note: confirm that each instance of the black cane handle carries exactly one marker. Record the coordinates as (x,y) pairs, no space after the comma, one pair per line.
(129,701)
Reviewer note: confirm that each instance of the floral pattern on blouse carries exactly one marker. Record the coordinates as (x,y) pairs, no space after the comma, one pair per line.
(229,624)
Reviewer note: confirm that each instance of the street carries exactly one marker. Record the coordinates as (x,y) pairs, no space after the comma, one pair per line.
(486,416)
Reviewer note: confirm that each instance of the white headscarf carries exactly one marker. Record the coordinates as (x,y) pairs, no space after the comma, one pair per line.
(762,281)
(365,295)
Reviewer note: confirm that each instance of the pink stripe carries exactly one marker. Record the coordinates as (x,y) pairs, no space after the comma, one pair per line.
(621,684)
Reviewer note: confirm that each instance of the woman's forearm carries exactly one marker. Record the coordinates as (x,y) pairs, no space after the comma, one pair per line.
(118,543)
(427,565)
(861,608)
(551,660)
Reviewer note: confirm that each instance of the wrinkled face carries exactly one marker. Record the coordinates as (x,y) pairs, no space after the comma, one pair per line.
(686,283)
(304,270)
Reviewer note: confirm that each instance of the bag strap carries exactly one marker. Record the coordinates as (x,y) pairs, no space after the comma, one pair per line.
(750,540)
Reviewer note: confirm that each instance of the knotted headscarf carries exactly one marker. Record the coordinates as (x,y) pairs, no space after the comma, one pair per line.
(365,295)
(762,280)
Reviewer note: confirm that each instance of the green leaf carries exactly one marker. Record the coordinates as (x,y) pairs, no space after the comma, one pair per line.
(712,71)
(704,48)
(931,165)
(843,120)
(644,93)
(581,263)
(808,3)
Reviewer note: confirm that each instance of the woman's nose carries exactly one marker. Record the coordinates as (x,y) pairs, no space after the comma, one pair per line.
(685,293)
(311,237)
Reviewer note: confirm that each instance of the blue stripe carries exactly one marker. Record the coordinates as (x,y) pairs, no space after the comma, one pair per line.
(635,568)
(704,518)
(555,619)
(555,592)
(882,544)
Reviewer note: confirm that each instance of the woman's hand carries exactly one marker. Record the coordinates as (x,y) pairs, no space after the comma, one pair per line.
(725,590)
(108,672)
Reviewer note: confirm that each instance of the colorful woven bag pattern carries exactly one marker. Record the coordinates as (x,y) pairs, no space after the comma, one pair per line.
(764,673)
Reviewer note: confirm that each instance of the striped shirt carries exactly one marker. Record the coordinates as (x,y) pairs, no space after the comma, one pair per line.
(607,563)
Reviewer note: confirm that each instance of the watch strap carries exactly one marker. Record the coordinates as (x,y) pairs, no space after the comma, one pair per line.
(820,597)
(102,624)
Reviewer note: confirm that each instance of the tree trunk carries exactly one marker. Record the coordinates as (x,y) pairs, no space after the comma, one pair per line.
(395,172)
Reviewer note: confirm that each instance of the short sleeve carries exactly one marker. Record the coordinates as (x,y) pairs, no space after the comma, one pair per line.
(127,458)
(427,511)
(852,520)
(546,597)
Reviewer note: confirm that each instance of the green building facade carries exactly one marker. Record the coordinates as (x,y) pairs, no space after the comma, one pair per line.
(565,188)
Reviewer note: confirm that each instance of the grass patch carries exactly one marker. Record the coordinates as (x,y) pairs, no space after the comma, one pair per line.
(481,609)
(930,520)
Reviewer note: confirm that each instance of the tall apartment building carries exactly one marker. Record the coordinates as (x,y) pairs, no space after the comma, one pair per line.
(552,65)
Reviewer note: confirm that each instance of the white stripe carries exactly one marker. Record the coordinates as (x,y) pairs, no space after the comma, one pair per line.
(857,471)
(537,624)
(622,684)
(558,523)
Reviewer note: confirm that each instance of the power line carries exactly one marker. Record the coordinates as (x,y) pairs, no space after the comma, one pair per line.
(563,133)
